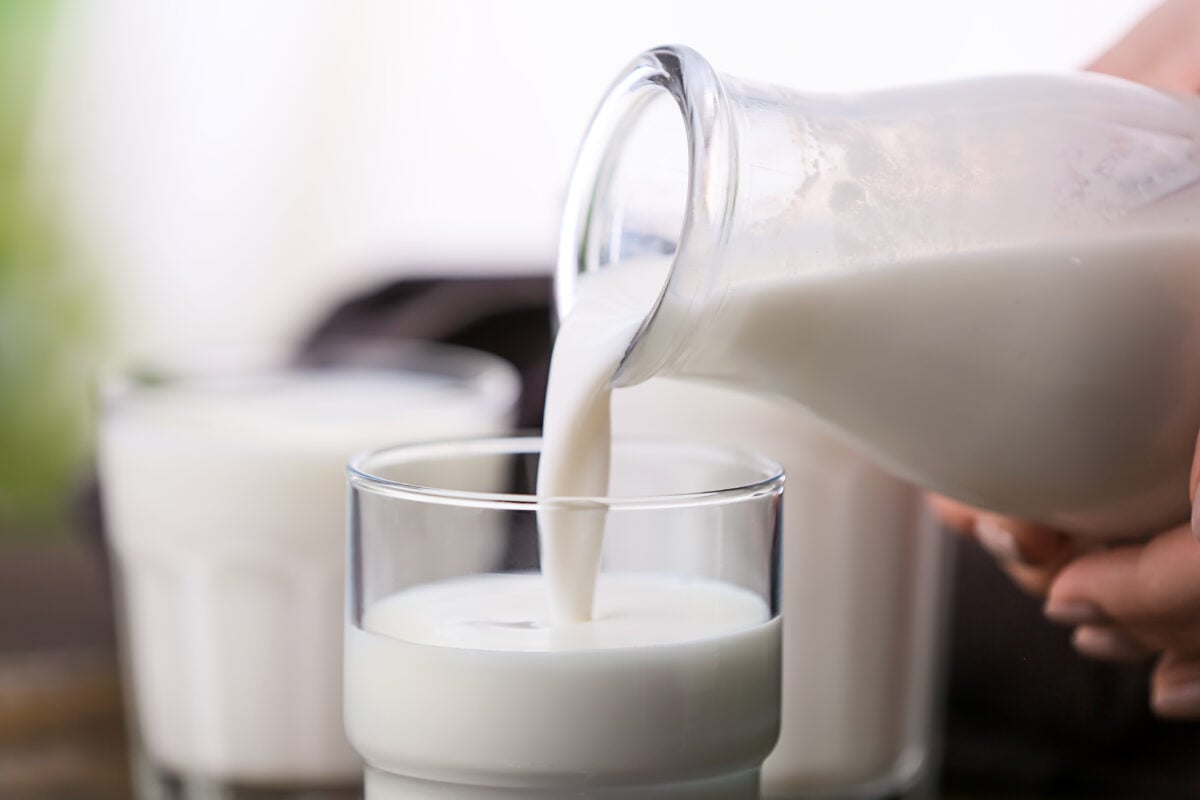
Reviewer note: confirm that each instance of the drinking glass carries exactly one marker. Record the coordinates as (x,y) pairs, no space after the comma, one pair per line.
(225,515)
(457,686)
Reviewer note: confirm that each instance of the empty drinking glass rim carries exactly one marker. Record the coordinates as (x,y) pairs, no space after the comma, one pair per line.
(769,475)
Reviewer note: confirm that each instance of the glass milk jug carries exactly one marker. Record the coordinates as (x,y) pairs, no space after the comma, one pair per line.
(991,287)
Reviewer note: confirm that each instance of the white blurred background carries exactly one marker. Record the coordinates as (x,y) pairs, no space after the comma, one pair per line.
(234,168)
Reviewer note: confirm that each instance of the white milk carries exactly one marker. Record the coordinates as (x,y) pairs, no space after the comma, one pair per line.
(1048,380)
(673,680)
(863,573)
(577,440)
(226,507)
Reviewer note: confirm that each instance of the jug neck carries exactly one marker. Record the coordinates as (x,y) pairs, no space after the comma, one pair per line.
(656,176)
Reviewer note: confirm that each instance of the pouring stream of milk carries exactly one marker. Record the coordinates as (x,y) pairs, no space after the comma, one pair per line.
(590,344)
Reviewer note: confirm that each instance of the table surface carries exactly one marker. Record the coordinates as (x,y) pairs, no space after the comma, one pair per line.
(62,734)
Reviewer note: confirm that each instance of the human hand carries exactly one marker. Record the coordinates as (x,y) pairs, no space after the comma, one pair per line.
(1135,601)
(1162,50)
(1132,601)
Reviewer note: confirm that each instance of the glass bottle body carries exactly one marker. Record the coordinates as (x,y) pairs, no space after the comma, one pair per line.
(992,287)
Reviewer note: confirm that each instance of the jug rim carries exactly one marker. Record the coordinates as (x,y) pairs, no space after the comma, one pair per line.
(699,94)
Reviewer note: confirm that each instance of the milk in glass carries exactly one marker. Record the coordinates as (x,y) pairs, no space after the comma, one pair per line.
(674,681)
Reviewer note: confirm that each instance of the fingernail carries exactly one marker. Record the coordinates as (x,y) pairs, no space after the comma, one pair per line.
(1196,519)
(997,541)
(1177,702)
(1075,612)
(1107,645)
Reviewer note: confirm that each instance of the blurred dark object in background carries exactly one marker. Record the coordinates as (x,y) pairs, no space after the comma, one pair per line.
(509,317)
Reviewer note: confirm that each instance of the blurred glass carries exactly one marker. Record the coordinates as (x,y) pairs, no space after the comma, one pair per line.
(225,516)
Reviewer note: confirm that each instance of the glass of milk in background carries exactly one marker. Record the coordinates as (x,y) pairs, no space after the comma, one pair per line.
(865,581)
(457,688)
(225,507)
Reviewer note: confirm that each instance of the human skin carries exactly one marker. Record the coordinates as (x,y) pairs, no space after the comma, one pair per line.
(1132,601)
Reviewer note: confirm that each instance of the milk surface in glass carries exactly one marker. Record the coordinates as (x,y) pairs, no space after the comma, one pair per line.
(226,515)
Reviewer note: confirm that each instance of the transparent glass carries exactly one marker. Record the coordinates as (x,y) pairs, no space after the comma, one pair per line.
(991,286)
(225,514)
(489,701)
